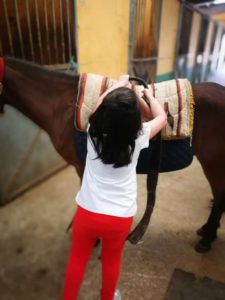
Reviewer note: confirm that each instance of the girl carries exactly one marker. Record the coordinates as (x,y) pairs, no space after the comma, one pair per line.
(107,198)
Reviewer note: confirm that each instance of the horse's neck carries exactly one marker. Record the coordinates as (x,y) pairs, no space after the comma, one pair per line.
(40,98)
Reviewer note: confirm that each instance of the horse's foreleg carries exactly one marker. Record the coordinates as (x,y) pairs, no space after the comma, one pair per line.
(208,232)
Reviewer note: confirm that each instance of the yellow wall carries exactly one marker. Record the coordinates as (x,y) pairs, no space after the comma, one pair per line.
(219,17)
(167,38)
(103,27)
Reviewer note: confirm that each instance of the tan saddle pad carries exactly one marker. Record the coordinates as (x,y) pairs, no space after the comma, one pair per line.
(175,96)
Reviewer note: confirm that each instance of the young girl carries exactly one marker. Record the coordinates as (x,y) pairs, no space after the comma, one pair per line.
(107,198)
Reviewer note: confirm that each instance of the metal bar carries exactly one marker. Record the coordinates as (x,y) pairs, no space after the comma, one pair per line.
(30,31)
(177,46)
(19,28)
(159,13)
(39,31)
(137,29)
(8,28)
(75,33)
(221,54)
(68,28)
(47,32)
(159,20)
(131,37)
(62,31)
(146,59)
(214,56)
(193,44)
(57,67)
(54,30)
(142,24)
(196,56)
(206,53)
(216,49)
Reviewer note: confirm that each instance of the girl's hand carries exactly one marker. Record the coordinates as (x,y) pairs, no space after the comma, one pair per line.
(124,81)
(148,93)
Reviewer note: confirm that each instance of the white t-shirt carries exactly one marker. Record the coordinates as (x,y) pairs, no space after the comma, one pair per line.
(111,191)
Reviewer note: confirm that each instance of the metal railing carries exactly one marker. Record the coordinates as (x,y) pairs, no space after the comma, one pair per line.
(41,31)
(204,55)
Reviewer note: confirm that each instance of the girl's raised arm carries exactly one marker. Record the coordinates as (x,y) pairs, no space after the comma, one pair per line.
(155,113)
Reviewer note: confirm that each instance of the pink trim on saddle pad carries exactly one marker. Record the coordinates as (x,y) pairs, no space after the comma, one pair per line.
(2,68)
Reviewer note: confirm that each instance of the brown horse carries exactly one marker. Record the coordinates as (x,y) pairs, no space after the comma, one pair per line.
(47,98)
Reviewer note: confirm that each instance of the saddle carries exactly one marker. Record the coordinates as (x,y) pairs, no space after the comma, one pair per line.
(174,95)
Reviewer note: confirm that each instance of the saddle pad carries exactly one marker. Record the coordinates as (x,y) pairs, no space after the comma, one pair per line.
(174,95)
(175,154)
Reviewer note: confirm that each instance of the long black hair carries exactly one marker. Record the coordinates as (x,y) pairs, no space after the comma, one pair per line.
(114,127)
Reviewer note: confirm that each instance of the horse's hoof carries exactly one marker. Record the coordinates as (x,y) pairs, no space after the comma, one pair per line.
(201,232)
(201,247)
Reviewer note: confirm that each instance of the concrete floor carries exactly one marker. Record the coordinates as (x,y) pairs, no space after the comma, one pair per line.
(34,246)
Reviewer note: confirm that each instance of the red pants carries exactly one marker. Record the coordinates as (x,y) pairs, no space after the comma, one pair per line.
(87,228)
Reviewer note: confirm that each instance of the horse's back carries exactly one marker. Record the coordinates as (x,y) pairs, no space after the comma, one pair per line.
(211,93)
(209,108)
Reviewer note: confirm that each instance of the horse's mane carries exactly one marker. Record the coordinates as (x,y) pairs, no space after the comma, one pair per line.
(23,64)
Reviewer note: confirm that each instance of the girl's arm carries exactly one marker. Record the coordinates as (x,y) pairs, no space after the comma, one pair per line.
(155,113)
(146,112)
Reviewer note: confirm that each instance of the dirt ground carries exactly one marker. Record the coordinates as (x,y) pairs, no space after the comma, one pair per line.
(34,245)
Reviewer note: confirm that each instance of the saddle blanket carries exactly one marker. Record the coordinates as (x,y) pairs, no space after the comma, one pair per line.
(175,154)
(175,96)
